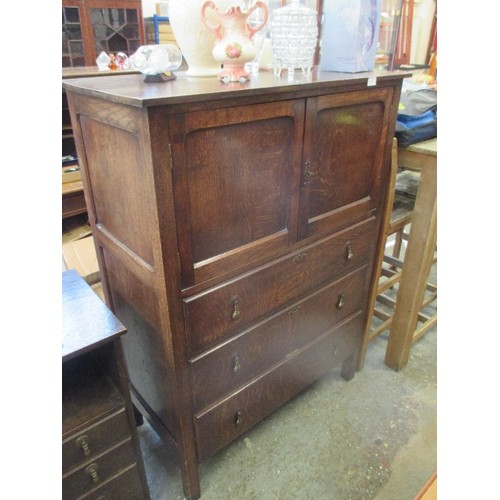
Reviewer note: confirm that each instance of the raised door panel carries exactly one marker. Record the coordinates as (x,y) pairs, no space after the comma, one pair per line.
(236,175)
(344,154)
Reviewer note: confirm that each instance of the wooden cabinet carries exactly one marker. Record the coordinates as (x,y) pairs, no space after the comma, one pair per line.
(92,26)
(236,228)
(101,457)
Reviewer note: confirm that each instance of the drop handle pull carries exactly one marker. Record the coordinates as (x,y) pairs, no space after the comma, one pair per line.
(349,254)
(83,443)
(340,301)
(238,419)
(91,470)
(236,314)
(236,364)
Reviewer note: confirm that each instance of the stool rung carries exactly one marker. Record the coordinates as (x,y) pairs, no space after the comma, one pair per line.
(393,261)
(389,283)
(381,314)
(381,328)
(419,332)
(386,301)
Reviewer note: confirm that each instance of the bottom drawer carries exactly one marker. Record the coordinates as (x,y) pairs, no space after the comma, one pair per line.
(97,471)
(125,486)
(221,423)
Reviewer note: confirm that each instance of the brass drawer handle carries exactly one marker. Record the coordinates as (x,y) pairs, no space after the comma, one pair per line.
(92,471)
(340,301)
(238,419)
(300,257)
(349,254)
(83,443)
(236,310)
(236,364)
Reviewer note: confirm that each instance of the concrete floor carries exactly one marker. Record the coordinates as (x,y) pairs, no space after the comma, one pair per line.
(371,438)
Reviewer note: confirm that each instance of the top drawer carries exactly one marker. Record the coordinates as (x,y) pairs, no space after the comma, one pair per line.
(222,310)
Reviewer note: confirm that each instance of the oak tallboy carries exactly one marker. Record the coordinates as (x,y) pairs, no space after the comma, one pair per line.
(236,228)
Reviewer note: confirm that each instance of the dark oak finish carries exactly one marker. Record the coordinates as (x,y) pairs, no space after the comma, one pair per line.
(101,456)
(236,228)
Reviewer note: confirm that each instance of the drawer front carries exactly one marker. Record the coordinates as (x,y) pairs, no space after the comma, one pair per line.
(96,472)
(230,307)
(124,486)
(90,442)
(220,424)
(228,366)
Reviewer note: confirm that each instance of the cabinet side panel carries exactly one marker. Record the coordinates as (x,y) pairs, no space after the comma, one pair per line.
(136,305)
(120,194)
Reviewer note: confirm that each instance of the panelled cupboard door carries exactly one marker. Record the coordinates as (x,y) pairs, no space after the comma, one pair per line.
(236,176)
(344,147)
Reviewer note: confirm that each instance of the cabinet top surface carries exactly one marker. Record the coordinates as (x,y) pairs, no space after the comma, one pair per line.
(86,321)
(131,89)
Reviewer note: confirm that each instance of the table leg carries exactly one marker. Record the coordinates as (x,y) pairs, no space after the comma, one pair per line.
(417,264)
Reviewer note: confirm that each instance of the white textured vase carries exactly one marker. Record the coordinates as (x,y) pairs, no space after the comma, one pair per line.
(195,40)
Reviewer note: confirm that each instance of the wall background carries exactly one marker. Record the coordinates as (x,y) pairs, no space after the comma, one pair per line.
(422,22)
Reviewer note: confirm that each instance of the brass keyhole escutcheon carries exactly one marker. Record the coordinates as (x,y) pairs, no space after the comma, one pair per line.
(308,173)
(340,302)
(238,419)
(236,314)
(349,254)
(83,443)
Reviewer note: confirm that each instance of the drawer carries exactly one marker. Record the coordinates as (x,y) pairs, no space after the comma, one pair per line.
(242,357)
(221,423)
(221,311)
(92,441)
(96,472)
(124,486)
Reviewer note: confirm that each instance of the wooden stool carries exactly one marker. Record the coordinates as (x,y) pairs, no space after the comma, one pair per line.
(401,289)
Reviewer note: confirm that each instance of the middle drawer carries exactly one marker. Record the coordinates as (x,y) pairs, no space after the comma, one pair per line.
(235,305)
(230,364)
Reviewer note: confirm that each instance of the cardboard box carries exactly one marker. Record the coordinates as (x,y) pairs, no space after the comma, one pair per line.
(81,256)
(349,35)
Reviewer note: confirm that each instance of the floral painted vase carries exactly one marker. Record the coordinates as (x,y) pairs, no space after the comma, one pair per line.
(234,33)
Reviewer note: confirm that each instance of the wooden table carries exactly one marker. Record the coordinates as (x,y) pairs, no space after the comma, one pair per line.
(419,255)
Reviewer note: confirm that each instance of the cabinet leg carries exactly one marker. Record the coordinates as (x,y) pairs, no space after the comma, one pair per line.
(349,367)
(139,419)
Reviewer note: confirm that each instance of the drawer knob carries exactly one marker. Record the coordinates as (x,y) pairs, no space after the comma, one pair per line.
(83,443)
(92,471)
(236,310)
(238,419)
(236,364)
(340,302)
(349,254)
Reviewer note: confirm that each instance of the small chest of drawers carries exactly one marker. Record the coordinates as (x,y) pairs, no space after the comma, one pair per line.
(101,456)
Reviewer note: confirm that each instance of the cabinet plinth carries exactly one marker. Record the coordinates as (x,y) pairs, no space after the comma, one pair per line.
(236,228)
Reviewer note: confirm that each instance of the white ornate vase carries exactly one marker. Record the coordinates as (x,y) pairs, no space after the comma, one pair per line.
(195,40)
